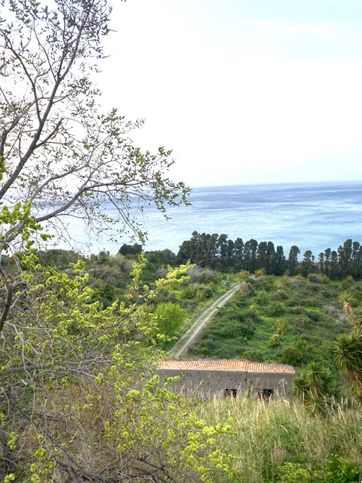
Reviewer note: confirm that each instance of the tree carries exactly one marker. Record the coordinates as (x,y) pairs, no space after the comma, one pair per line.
(349,346)
(315,385)
(293,259)
(307,265)
(238,254)
(131,250)
(78,399)
(59,154)
(250,249)
(280,262)
(170,318)
(58,151)
(345,257)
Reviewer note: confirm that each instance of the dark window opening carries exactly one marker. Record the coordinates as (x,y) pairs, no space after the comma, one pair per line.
(265,394)
(230,392)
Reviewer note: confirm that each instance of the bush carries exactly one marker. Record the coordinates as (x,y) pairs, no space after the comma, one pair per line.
(274,340)
(204,293)
(275,308)
(190,292)
(170,318)
(280,295)
(279,327)
(298,354)
(262,297)
(253,355)
(298,309)
(314,315)
(336,470)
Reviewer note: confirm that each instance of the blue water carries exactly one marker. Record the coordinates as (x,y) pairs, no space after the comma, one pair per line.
(312,215)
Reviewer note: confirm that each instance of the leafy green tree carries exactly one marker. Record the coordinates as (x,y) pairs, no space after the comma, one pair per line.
(293,259)
(79,401)
(345,258)
(335,270)
(132,250)
(59,153)
(298,354)
(238,254)
(170,319)
(307,265)
(250,258)
(327,262)
(222,253)
(279,262)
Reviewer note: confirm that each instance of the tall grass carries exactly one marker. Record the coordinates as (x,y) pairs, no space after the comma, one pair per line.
(267,435)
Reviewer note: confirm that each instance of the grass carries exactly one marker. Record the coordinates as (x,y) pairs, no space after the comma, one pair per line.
(268,436)
(288,320)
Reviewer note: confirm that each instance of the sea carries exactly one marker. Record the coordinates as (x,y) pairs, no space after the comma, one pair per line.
(313,216)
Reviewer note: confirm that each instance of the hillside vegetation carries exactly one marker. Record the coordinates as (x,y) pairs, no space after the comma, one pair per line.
(291,320)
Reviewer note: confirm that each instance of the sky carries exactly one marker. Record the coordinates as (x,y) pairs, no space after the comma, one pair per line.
(244,92)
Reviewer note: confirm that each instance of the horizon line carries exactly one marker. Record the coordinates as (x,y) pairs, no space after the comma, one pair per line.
(277,183)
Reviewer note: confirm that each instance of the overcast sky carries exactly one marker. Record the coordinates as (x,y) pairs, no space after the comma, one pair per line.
(243,91)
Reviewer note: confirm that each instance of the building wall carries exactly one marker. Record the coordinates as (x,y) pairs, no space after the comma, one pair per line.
(214,383)
(281,384)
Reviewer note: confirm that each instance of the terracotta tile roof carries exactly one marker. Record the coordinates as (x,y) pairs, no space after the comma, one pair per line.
(230,365)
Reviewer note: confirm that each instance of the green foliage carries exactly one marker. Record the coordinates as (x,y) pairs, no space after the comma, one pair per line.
(349,347)
(298,354)
(314,385)
(88,394)
(299,328)
(336,470)
(132,250)
(170,319)
(280,440)
(219,253)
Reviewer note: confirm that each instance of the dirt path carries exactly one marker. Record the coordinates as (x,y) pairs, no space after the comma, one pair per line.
(200,323)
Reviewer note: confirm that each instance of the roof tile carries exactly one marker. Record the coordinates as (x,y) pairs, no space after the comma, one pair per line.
(226,365)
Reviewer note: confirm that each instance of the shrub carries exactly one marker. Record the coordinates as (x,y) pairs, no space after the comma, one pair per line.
(314,278)
(261,297)
(280,294)
(170,318)
(253,355)
(190,292)
(244,275)
(336,470)
(298,309)
(314,315)
(204,293)
(279,326)
(298,354)
(275,308)
(274,340)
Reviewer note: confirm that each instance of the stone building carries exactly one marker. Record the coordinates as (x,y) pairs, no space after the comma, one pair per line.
(229,377)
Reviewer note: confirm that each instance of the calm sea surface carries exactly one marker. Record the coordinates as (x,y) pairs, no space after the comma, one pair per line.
(312,216)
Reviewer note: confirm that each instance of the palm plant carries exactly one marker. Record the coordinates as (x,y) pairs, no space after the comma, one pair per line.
(349,356)
(349,347)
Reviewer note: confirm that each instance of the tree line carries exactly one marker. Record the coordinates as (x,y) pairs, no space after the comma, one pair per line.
(221,253)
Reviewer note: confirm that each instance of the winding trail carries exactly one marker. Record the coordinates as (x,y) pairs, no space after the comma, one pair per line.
(200,323)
